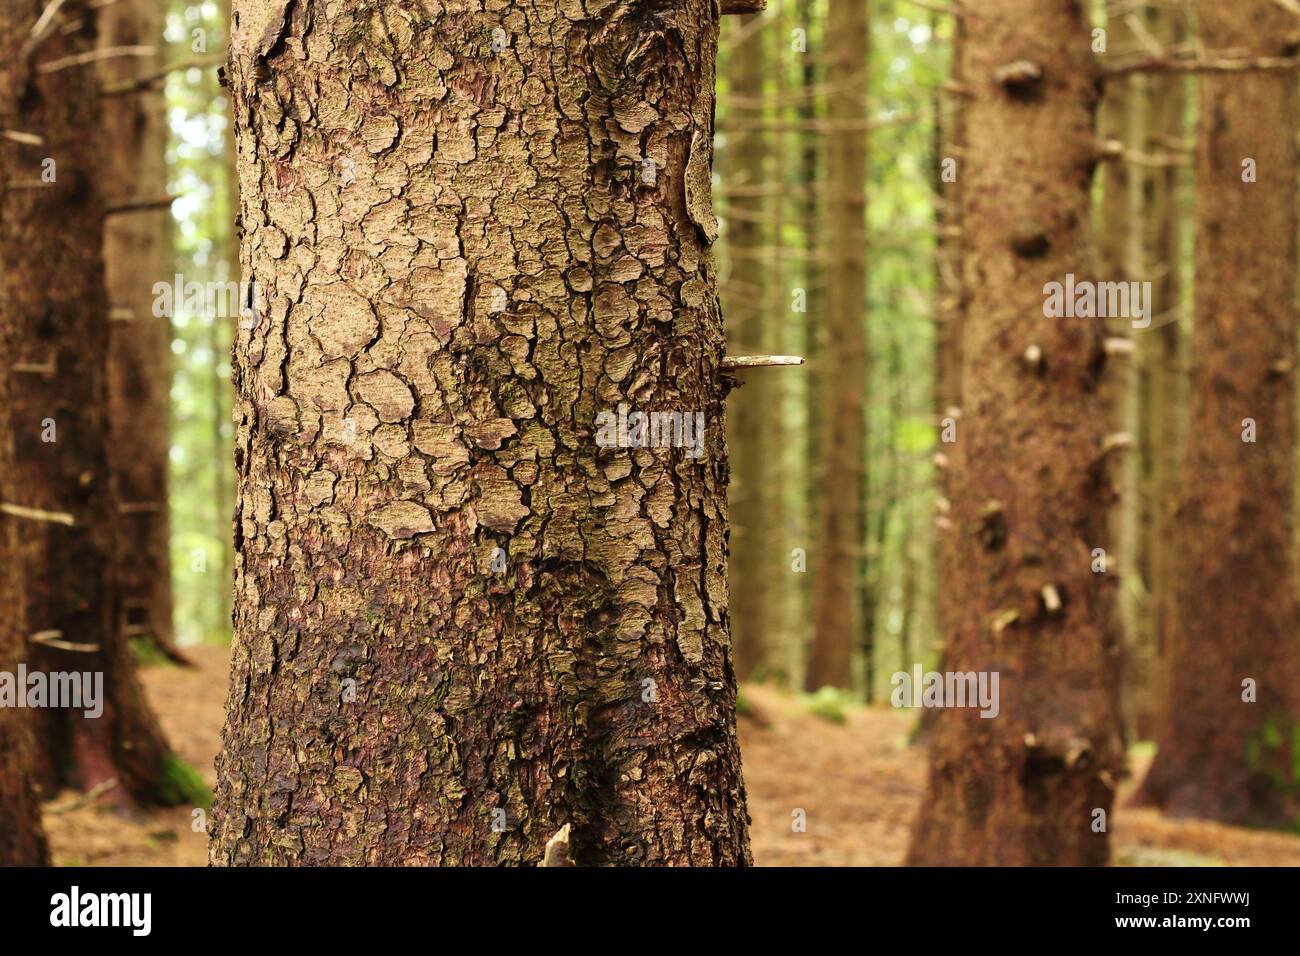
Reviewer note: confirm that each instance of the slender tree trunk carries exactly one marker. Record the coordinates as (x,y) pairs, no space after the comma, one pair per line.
(51,269)
(1119,217)
(437,552)
(1160,370)
(744,303)
(1023,787)
(811,165)
(837,610)
(950,153)
(22,839)
(950,316)
(783,335)
(139,362)
(1230,736)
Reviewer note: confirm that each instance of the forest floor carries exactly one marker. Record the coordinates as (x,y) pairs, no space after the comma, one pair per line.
(857,781)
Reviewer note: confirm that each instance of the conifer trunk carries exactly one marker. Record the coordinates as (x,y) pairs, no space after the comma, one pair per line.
(52,278)
(838,570)
(462,259)
(1028,502)
(1229,737)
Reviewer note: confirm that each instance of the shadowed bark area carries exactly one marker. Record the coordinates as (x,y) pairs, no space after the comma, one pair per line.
(1233,616)
(460,623)
(51,270)
(1028,496)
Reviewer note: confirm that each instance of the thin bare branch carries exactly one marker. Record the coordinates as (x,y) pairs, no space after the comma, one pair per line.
(140,205)
(94,56)
(37,514)
(149,79)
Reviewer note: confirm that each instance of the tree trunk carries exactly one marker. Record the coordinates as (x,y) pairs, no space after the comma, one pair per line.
(808,109)
(463,267)
(22,839)
(745,300)
(139,361)
(1027,490)
(837,609)
(1160,372)
(1117,221)
(950,315)
(1230,735)
(51,274)
(950,155)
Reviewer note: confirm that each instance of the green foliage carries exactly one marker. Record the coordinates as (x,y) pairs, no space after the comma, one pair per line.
(742,704)
(830,703)
(179,784)
(202,450)
(146,653)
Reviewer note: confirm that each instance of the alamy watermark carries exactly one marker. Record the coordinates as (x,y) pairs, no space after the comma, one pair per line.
(74,690)
(225,300)
(630,429)
(1084,299)
(130,910)
(947,689)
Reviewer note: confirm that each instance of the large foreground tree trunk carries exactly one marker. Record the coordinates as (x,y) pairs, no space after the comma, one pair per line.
(460,623)
(51,270)
(838,574)
(1227,747)
(1022,788)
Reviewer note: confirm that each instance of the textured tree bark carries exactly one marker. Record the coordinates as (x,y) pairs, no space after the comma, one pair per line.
(460,624)
(51,269)
(1028,502)
(1233,618)
(750,408)
(837,603)
(22,839)
(139,360)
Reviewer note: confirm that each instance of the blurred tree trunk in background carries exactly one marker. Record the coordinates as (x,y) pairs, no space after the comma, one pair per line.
(51,268)
(460,269)
(1117,225)
(950,315)
(1230,734)
(1160,370)
(811,160)
(950,153)
(1027,509)
(746,300)
(22,838)
(838,566)
(137,255)
(783,334)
